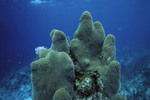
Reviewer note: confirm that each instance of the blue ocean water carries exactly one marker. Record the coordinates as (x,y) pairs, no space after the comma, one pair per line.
(26,24)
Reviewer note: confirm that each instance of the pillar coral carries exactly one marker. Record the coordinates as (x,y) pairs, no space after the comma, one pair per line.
(85,69)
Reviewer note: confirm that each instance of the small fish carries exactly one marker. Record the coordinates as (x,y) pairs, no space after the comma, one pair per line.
(100,58)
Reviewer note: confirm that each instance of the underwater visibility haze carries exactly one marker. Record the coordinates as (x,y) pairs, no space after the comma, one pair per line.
(27,24)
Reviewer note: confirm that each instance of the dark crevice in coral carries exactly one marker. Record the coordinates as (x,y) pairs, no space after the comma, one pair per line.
(72,56)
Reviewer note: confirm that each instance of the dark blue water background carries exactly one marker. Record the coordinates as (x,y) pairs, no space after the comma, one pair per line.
(25,25)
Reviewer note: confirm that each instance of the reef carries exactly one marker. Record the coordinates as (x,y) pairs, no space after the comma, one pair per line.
(85,69)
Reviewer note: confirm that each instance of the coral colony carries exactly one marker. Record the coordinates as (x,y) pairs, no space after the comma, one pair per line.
(83,70)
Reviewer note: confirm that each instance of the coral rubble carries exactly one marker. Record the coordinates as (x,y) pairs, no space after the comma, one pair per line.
(84,70)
